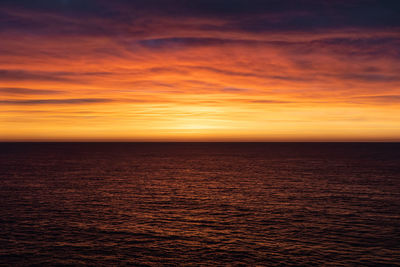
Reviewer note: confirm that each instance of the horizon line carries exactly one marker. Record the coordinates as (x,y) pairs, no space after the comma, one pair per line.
(199,141)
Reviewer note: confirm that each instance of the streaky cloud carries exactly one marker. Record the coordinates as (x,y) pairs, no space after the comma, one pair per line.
(234,90)
(69,101)
(271,101)
(56,76)
(29,91)
(380,99)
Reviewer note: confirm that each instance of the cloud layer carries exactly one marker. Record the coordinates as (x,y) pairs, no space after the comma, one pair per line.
(220,70)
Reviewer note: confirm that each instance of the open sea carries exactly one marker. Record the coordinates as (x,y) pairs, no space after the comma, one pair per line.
(207,204)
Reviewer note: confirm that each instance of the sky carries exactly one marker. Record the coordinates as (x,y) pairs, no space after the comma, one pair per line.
(199,70)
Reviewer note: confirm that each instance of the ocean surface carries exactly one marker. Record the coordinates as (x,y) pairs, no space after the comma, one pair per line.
(208,204)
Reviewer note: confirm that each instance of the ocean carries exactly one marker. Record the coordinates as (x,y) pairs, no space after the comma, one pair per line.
(207,204)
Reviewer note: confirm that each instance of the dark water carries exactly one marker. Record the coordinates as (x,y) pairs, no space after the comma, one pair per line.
(200,204)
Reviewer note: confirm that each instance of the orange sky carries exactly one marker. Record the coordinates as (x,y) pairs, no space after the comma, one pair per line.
(194,79)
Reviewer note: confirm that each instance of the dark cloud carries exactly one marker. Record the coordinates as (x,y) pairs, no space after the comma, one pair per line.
(28,91)
(13,75)
(225,72)
(366,47)
(52,17)
(287,13)
(251,74)
(178,41)
(380,99)
(370,77)
(118,17)
(71,101)
(317,16)
(269,101)
(234,90)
